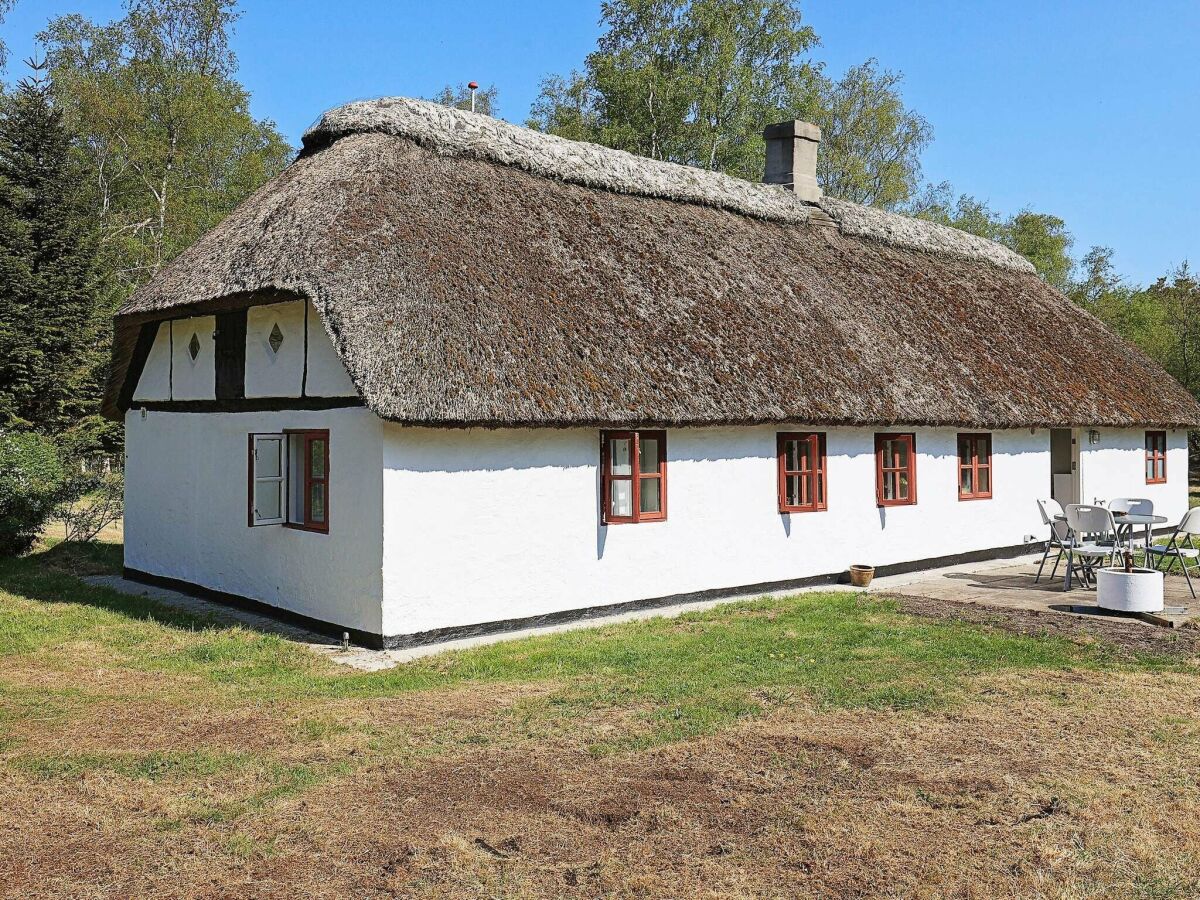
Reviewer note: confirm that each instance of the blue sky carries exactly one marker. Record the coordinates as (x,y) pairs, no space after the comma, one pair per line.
(1088,110)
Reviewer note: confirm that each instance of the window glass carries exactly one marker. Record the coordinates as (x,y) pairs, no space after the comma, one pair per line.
(268,503)
(966,481)
(317,458)
(650,499)
(792,494)
(621,453)
(985,480)
(317,502)
(269,455)
(648,456)
(621,499)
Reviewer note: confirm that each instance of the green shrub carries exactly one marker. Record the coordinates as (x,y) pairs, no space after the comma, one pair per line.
(32,481)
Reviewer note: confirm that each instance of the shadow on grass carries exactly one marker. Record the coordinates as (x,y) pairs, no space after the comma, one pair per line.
(54,575)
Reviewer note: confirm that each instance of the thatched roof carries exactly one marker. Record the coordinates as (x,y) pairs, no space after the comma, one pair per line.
(471,272)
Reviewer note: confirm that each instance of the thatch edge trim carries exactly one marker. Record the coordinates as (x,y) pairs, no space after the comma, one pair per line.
(455,132)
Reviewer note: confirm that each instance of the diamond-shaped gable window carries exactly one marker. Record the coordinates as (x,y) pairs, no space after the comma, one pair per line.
(275,339)
(194,346)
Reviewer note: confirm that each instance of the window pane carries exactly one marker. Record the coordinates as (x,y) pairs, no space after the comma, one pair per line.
(964,451)
(985,480)
(267,457)
(316,456)
(791,455)
(984,449)
(268,502)
(317,502)
(966,483)
(648,456)
(903,486)
(889,486)
(650,500)
(621,499)
(901,453)
(792,490)
(620,452)
(1149,469)
(804,449)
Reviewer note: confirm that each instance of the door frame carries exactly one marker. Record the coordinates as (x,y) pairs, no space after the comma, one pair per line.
(1076,435)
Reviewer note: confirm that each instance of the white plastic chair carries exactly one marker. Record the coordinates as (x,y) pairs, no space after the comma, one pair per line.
(1060,535)
(1180,547)
(1094,540)
(1134,505)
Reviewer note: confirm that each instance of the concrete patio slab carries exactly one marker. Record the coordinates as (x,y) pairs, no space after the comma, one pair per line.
(1013,586)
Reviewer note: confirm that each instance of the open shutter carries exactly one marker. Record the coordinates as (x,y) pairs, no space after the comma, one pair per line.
(268,479)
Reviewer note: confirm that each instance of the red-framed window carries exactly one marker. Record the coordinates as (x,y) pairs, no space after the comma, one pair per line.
(288,481)
(895,469)
(633,466)
(802,486)
(309,508)
(1156,457)
(974,466)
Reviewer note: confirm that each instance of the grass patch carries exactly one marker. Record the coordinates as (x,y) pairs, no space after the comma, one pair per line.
(152,766)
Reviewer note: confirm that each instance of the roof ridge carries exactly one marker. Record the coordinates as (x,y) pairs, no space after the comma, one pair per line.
(455,132)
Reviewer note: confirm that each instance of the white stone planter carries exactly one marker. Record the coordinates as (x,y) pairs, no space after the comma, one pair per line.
(1138,591)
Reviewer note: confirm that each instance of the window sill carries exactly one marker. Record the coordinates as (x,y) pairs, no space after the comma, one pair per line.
(968,499)
(312,528)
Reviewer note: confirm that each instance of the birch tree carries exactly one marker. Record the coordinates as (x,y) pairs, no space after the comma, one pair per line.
(165,126)
(695,82)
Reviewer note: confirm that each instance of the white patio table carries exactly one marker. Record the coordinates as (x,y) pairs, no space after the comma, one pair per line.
(1129,521)
(1125,522)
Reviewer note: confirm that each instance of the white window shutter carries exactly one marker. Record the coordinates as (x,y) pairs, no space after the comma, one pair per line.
(268,479)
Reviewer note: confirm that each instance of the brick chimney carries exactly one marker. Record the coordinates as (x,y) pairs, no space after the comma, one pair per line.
(792,157)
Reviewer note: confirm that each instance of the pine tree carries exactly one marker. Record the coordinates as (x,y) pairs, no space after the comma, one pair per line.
(49,314)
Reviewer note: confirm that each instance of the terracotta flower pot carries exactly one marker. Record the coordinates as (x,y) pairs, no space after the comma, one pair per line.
(860,575)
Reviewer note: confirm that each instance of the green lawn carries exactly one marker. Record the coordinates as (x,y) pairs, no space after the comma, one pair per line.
(691,674)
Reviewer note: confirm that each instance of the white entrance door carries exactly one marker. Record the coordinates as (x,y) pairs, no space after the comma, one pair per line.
(1064,465)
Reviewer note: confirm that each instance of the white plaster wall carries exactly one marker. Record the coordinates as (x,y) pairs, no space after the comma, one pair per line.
(326,375)
(486,525)
(282,374)
(155,381)
(185,512)
(193,379)
(271,374)
(1116,467)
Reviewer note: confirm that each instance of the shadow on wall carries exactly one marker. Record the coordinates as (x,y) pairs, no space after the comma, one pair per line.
(428,450)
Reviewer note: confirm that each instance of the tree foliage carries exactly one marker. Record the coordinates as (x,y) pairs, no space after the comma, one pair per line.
(695,82)
(1041,238)
(5,7)
(458,96)
(871,143)
(164,124)
(32,482)
(51,333)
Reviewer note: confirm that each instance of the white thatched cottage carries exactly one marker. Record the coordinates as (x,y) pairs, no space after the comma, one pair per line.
(446,375)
